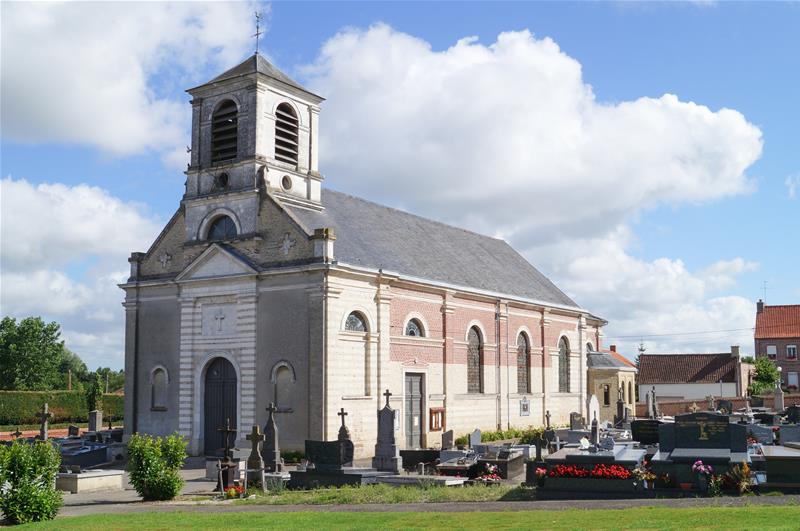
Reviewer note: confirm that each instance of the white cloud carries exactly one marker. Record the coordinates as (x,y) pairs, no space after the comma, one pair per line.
(90,74)
(62,248)
(509,139)
(792,184)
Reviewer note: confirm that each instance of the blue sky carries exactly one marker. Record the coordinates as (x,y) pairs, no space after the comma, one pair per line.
(740,56)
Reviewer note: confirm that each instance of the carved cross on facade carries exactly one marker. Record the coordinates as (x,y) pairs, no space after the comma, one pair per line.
(387,394)
(165,259)
(547,418)
(227,430)
(287,244)
(218,317)
(44,416)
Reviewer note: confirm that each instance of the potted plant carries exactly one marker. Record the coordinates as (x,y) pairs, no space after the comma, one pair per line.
(643,477)
(541,474)
(490,475)
(703,473)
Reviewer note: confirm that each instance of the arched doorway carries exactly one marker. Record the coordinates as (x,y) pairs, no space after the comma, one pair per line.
(220,404)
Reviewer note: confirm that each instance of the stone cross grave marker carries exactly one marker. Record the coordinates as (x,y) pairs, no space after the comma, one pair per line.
(254,461)
(16,434)
(344,433)
(547,419)
(44,416)
(271,448)
(475,438)
(387,454)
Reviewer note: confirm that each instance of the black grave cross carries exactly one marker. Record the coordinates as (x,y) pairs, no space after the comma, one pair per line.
(227,430)
(16,434)
(387,394)
(344,433)
(44,415)
(342,413)
(547,418)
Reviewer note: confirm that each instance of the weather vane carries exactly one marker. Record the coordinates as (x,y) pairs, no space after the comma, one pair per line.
(258,32)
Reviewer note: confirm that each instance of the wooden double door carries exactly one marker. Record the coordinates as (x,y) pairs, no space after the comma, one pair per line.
(219,405)
(413,419)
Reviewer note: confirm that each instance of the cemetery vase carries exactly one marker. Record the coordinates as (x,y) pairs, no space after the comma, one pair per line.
(702,483)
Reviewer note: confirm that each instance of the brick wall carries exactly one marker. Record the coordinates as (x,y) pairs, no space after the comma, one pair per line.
(788,365)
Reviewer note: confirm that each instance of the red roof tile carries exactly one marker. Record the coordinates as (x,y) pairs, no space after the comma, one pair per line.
(619,357)
(687,368)
(778,321)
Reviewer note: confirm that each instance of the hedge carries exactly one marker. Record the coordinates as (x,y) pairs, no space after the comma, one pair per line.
(21,407)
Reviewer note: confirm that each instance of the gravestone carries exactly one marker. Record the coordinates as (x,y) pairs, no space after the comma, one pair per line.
(595,438)
(447,440)
(756,401)
(789,433)
(793,414)
(330,455)
(547,419)
(778,404)
(761,433)
(387,455)
(592,408)
(95,420)
(645,432)
(725,406)
(44,417)
(619,418)
(656,408)
(73,431)
(651,412)
(474,438)
(576,421)
(255,465)
(271,450)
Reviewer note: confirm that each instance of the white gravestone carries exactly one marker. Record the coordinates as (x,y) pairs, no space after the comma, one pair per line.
(593,408)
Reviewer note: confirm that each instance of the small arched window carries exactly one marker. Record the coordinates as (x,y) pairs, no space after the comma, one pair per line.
(158,391)
(222,228)
(606,395)
(474,361)
(414,328)
(563,365)
(355,323)
(224,132)
(286,140)
(283,391)
(523,364)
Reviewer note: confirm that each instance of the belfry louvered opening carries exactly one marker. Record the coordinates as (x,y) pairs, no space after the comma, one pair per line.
(286,140)
(224,132)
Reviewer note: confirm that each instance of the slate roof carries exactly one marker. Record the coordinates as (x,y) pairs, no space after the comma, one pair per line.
(378,237)
(622,359)
(778,322)
(687,368)
(257,63)
(606,360)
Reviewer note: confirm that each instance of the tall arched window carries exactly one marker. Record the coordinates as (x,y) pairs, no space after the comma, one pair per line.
(630,392)
(414,328)
(606,395)
(523,364)
(563,365)
(286,139)
(222,228)
(283,388)
(158,391)
(474,361)
(355,323)
(224,132)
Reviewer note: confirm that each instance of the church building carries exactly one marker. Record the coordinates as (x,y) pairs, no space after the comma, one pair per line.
(265,287)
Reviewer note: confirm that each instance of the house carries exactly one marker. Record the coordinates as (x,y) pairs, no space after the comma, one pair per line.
(777,337)
(693,376)
(611,376)
(267,290)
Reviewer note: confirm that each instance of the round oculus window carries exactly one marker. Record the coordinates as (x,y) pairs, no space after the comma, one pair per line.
(286,182)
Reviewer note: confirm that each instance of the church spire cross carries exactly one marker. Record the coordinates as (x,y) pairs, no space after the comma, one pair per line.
(258,32)
(387,394)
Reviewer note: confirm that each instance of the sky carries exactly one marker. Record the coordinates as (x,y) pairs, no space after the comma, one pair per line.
(642,155)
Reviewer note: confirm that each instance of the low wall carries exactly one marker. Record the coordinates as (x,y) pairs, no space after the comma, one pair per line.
(676,407)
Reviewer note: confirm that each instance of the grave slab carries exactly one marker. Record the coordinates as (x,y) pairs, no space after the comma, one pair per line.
(92,480)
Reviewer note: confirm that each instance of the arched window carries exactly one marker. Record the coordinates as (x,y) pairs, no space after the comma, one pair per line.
(283,388)
(222,228)
(523,364)
(286,139)
(630,393)
(355,323)
(606,395)
(158,391)
(224,132)
(414,328)
(474,361)
(622,391)
(563,365)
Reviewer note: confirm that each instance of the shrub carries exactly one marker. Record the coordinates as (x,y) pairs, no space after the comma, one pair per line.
(27,482)
(21,407)
(525,435)
(154,465)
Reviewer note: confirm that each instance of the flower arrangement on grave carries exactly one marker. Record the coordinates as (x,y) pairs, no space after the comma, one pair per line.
(236,491)
(737,478)
(703,470)
(490,474)
(600,471)
(541,474)
(642,474)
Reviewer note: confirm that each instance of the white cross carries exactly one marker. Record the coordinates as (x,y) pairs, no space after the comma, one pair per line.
(165,259)
(219,316)
(287,244)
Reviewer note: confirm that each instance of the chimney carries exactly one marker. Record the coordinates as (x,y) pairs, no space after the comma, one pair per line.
(612,348)
(734,351)
(759,306)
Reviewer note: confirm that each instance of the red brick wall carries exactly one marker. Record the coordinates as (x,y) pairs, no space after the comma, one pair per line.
(780,360)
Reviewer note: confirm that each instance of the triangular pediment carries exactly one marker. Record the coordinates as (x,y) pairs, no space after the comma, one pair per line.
(216,262)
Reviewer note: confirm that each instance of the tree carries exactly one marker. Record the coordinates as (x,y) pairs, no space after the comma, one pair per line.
(30,354)
(765,376)
(71,363)
(748,359)
(94,391)
(115,379)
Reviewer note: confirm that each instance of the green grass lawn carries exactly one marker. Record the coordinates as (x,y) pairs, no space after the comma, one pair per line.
(722,518)
(389,494)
